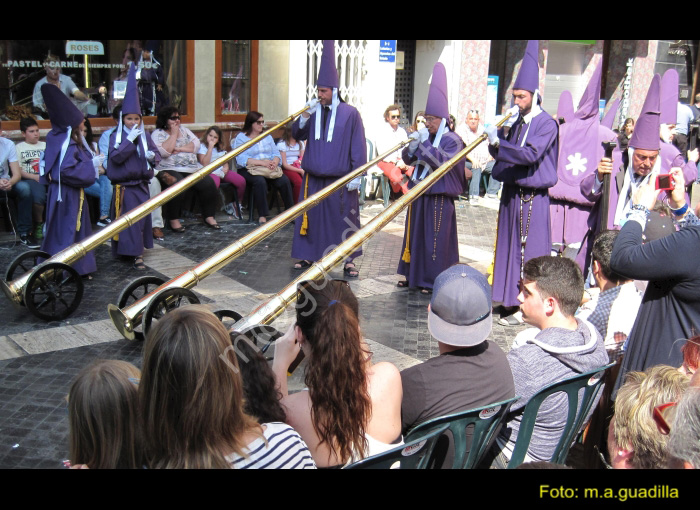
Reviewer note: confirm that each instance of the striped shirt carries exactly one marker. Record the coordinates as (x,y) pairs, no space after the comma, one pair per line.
(282,448)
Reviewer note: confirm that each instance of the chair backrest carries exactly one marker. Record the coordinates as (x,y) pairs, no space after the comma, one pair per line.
(577,413)
(414,454)
(370,149)
(485,420)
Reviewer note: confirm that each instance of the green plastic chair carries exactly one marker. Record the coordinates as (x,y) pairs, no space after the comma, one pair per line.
(414,454)
(485,422)
(578,411)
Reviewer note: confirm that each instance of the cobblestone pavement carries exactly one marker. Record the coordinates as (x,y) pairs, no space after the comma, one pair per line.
(40,359)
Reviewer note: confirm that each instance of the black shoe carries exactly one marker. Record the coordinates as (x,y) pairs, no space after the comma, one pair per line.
(28,241)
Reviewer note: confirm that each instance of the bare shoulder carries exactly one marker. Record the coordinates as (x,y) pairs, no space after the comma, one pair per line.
(384,376)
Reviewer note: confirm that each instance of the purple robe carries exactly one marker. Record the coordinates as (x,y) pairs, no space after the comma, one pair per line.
(338,216)
(532,168)
(571,210)
(672,157)
(127,167)
(62,230)
(431,224)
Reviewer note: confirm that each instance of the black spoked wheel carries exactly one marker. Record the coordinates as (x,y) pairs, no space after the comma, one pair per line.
(135,291)
(263,336)
(228,317)
(24,263)
(166,301)
(53,292)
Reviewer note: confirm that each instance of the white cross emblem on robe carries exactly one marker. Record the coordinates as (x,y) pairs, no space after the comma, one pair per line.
(577,164)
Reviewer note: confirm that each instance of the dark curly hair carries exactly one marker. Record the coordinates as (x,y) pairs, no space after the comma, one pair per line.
(336,373)
(261,396)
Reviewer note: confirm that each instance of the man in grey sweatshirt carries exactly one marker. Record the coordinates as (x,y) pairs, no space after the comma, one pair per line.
(550,293)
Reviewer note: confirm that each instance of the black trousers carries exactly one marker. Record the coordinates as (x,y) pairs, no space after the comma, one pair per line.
(205,190)
(258,186)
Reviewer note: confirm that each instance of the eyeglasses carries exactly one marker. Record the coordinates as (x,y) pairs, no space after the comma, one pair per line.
(474,111)
(664,415)
(261,122)
(430,118)
(396,117)
(175,117)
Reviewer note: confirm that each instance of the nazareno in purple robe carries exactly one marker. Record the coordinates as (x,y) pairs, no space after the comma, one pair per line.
(129,171)
(431,221)
(338,216)
(68,221)
(532,169)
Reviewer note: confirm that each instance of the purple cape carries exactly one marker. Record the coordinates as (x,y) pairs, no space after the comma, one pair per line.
(532,167)
(431,224)
(338,216)
(77,172)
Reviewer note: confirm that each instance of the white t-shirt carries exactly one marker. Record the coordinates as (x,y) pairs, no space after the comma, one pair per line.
(29,155)
(291,152)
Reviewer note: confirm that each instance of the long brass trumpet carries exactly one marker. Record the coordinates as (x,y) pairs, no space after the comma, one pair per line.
(57,286)
(268,311)
(126,319)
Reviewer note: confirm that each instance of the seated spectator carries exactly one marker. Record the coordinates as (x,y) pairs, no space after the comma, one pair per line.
(471,370)
(479,160)
(684,440)
(12,185)
(102,188)
(634,440)
(565,346)
(211,149)
(292,152)
(691,356)
(614,309)
(262,398)
(103,417)
(191,402)
(260,165)
(52,66)
(29,153)
(178,149)
(388,136)
(352,408)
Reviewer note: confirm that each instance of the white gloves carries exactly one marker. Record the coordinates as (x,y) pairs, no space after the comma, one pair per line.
(150,156)
(492,133)
(311,104)
(97,161)
(414,143)
(135,133)
(514,113)
(424,134)
(354,184)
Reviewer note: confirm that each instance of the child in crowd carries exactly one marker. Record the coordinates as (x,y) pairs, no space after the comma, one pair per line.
(103,417)
(29,153)
(292,152)
(210,150)
(102,188)
(129,167)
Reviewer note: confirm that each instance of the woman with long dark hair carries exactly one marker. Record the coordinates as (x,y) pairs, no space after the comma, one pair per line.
(352,408)
(178,149)
(260,165)
(191,402)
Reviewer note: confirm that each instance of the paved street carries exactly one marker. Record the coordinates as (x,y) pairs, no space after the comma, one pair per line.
(39,359)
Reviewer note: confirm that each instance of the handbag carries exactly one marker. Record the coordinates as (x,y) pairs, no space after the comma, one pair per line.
(265,171)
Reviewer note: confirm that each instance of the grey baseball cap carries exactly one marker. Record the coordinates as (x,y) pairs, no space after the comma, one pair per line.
(460,308)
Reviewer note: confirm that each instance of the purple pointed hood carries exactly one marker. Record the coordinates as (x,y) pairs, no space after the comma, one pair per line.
(437,104)
(131,102)
(588,106)
(565,108)
(669,97)
(609,118)
(327,73)
(529,75)
(62,112)
(646,130)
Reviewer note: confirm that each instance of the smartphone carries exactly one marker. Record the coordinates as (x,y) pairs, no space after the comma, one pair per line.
(293,366)
(664,182)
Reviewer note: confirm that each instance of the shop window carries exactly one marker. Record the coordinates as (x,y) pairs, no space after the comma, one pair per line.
(237,79)
(93,74)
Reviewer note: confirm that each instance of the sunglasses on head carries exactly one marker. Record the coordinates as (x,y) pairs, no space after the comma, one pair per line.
(664,415)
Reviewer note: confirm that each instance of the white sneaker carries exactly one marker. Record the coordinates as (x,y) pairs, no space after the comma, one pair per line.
(474,200)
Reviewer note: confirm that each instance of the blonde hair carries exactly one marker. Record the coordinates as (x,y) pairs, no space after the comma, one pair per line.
(635,428)
(103,416)
(191,393)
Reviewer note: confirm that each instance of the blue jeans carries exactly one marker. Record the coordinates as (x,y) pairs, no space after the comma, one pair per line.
(493,185)
(27,192)
(102,189)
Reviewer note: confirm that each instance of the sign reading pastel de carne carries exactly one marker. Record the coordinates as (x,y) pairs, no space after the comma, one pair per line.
(84,48)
